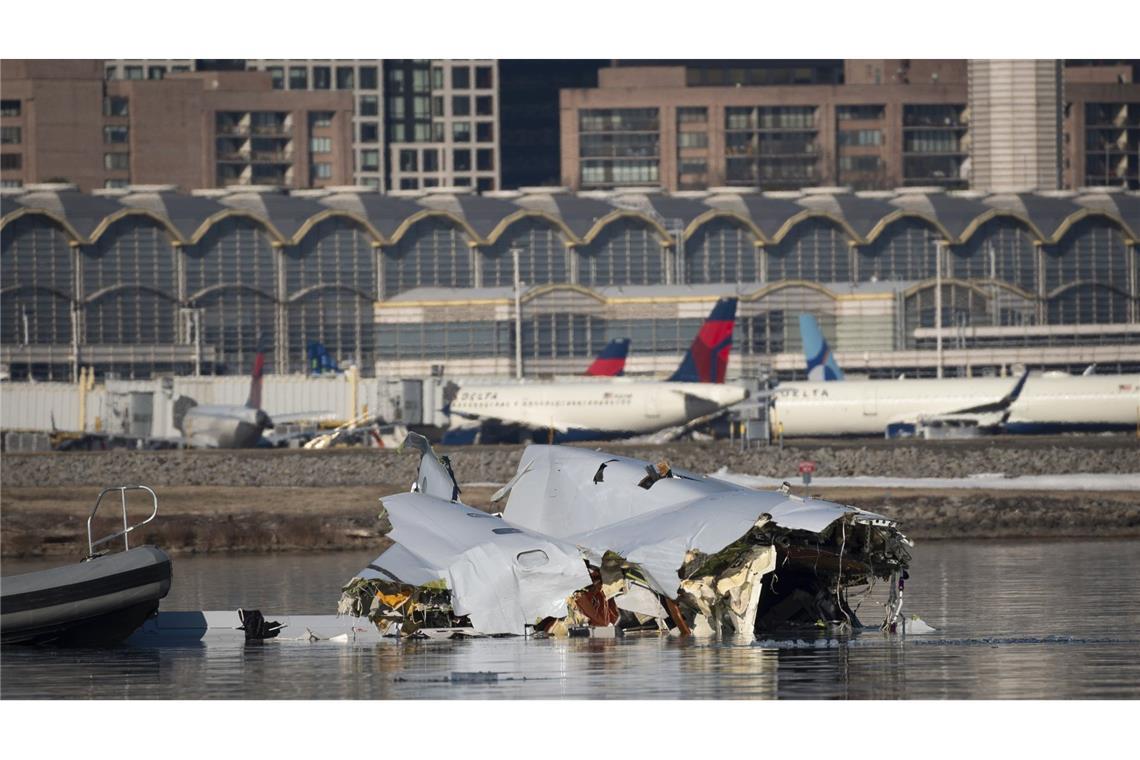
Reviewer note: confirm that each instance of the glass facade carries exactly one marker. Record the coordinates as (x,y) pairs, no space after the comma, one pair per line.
(133,288)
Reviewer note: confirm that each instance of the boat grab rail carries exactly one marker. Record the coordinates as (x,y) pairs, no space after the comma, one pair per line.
(127,528)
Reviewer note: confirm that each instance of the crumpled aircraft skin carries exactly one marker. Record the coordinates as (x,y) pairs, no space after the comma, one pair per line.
(589,539)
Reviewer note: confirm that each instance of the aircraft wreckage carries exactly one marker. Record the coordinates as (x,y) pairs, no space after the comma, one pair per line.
(590,543)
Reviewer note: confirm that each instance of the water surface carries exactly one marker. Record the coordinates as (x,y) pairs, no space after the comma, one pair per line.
(1040,620)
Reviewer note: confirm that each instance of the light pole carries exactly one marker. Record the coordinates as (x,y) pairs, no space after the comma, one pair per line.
(938,302)
(518,314)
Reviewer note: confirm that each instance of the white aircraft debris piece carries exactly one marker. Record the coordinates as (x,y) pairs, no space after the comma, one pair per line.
(592,541)
(435,477)
(500,576)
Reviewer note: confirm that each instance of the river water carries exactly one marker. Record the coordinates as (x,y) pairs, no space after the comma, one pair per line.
(1025,619)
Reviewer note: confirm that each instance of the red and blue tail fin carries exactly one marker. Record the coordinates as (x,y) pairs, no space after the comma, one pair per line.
(611,361)
(707,359)
(254,400)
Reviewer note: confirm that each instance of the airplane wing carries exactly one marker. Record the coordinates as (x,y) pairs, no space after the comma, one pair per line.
(988,415)
(303,416)
(523,417)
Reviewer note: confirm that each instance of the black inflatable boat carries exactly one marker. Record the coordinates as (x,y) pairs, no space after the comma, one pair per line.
(97,602)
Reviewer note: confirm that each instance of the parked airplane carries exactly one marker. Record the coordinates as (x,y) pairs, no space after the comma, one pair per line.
(604,410)
(231,426)
(1049,403)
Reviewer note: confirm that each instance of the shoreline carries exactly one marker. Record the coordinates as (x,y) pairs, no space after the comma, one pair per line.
(51,521)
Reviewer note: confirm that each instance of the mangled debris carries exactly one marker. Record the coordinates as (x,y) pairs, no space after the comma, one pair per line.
(591,542)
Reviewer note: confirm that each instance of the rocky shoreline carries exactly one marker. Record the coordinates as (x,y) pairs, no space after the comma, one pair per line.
(288,500)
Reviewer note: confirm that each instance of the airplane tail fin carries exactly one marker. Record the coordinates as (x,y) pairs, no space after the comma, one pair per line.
(611,361)
(707,359)
(821,364)
(254,400)
(319,359)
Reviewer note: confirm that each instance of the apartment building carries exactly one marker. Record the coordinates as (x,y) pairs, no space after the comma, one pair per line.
(193,129)
(868,124)
(442,124)
(890,123)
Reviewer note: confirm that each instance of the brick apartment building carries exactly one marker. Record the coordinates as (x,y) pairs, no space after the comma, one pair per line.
(63,120)
(869,124)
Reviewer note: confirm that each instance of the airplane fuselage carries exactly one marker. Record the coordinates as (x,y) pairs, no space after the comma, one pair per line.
(594,409)
(867,407)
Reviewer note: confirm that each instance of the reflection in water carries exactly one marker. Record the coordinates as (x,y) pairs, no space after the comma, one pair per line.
(1023,619)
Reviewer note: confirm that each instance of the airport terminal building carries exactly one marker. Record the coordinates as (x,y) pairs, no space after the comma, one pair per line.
(147,281)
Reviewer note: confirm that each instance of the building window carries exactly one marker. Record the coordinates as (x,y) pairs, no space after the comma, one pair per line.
(298,78)
(462,182)
(368,78)
(861,137)
(461,160)
(485,159)
(421,84)
(369,132)
(156,72)
(9,108)
(370,159)
(320,145)
(436,78)
(694,167)
(116,134)
(460,77)
(116,161)
(278,75)
(860,164)
(408,161)
(179,69)
(322,78)
(396,132)
(461,131)
(437,105)
(134,72)
(113,184)
(11,161)
(322,171)
(484,77)
(344,78)
(409,183)
(109,73)
(618,120)
(484,105)
(422,132)
(437,132)
(10,135)
(693,115)
(484,131)
(369,105)
(460,105)
(322,118)
(115,106)
(484,184)
(431,160)
(396,108)
(421,107)
(431,182)
(693,139)
(859,113)
(396,81)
